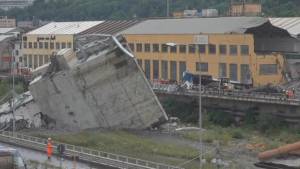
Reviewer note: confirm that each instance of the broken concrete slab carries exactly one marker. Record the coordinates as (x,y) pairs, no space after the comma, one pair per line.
(27,113)
(103,88)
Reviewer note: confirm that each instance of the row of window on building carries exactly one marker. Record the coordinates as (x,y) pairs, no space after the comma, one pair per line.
(47,45)
(191,48)
(34,61)
(160,70)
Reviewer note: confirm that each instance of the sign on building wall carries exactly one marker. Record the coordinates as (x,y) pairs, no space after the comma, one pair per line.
(201,39)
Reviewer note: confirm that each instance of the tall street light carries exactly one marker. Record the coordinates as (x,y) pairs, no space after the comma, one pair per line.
(168,8)
(200,40)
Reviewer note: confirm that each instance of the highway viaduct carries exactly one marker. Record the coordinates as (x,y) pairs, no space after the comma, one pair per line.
(238,103)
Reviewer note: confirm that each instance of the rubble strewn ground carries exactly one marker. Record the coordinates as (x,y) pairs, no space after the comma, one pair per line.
(236,147)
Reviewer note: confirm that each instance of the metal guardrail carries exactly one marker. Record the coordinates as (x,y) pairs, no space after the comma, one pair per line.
(232,95)
(85,154)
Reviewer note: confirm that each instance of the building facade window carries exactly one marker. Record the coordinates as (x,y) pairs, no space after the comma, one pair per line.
(164,70)
(233,50)
(233,72)
(182,68)
(202,49)
(57,45)
(182,48)
(63,45)
(222,70)
(30,61)
(164,48)
(46,59)
(35,64)
(173,49)
(147,47)
(69,45)
(131,46)
(155,47)
(192,48)
(155,69)
(268,69)
(46,45)
(25,60)
(244,50)
(173,69)
(245,74)
(24,45)
(41,59)
(223,49)
(41,45)
(30,45)
(212,49)
(140,62)
(147,69)
(201,67)
(51,45)
(35,45)
(139,47)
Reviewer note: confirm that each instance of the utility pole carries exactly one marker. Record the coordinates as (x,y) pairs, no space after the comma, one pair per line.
(244,3)
(13,91)
(168,8)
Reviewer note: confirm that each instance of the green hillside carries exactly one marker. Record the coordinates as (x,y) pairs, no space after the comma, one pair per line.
(61,10)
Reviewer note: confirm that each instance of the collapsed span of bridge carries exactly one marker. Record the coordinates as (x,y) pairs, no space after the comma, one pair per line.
(98,86)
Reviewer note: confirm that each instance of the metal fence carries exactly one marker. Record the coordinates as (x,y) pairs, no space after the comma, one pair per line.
(84,154)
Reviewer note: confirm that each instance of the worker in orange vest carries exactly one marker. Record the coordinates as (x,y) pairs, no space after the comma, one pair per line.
(49,148)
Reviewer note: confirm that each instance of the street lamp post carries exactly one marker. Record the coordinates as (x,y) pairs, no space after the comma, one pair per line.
(200,40)
(13,91)
(168,8)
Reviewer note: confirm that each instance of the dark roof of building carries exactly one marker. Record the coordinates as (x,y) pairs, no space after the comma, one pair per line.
(196,25)
(111,27)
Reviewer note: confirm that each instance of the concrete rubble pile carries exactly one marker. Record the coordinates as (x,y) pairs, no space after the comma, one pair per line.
(98,86)
(27,113)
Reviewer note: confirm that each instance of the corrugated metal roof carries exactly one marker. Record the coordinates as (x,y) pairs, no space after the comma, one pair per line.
(111,27)
(6,30)
(292,25)
(64,28)
(4,37)
(196,25)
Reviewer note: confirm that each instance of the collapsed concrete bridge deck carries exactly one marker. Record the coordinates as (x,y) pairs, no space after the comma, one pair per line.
(100,86)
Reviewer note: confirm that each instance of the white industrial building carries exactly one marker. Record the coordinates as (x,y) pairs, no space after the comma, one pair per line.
(9,4)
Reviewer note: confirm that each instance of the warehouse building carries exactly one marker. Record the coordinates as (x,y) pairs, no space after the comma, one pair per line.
(291,46)
(220,47)
(10,4)
(40,44)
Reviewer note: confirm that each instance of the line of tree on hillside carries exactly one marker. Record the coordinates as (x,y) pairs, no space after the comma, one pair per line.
(62,10)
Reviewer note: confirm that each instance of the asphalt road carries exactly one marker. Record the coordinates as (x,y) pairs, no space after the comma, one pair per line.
(40,157)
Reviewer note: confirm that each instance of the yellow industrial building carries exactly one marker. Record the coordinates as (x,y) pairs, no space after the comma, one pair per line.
(220,47)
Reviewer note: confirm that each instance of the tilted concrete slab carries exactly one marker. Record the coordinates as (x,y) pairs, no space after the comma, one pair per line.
(105,89)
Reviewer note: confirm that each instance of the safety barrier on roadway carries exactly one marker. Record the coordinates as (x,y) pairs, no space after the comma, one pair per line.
(84,154)
(230,95)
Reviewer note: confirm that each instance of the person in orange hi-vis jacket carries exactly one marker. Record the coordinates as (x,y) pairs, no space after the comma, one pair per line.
(49,148)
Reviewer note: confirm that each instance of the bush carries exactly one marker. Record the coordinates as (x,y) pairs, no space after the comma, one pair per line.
(221,118)
(267,123)
(237,134)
